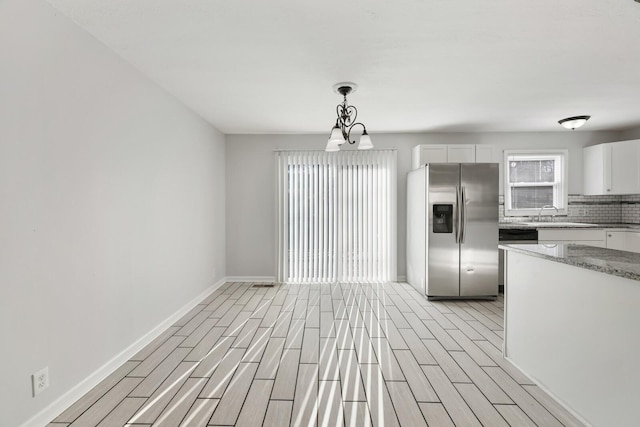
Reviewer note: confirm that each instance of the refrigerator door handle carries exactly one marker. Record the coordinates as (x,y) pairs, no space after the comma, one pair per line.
(458,224)
(463,214)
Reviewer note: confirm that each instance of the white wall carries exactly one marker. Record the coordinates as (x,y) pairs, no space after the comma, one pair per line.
(111,205)
(250,182)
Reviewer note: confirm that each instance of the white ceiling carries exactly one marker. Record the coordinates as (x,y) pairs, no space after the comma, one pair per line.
(421,65)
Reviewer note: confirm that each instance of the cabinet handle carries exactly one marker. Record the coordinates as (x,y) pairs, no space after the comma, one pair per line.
(608,189)
(609,235)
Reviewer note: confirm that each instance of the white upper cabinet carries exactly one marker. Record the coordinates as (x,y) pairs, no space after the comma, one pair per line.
(593,160)
(461,153)
(423,154)
(624,167)
(451,153)
(612,168)
(484,153)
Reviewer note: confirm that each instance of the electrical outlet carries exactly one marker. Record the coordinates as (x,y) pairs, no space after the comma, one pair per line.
(40,380)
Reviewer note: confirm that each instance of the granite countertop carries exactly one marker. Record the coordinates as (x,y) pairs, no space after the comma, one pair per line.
(537,225)
(609,261)
(624,227)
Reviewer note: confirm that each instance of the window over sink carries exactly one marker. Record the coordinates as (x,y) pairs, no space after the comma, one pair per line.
(533,180)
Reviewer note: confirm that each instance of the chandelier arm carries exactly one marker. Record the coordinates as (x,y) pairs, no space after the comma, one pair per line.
(346,116)
(350,114)
(348,136)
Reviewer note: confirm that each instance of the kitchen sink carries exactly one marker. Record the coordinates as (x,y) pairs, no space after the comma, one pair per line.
(561,224)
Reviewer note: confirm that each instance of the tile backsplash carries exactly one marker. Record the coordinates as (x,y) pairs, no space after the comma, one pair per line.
(596,209)
(630,209)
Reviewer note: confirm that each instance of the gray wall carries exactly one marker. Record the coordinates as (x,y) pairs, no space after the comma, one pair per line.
(633,133)
(112,205)
(250,182)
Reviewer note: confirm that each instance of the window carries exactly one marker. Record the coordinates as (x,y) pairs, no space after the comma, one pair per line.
(336,216)
(534,179)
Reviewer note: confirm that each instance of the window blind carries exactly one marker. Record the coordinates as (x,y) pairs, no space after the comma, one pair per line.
(336,216)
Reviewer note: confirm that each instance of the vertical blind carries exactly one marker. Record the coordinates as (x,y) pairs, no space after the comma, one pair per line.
(336,216)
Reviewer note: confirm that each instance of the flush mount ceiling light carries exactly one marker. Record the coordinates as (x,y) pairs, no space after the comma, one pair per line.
(574,122)
(346,121)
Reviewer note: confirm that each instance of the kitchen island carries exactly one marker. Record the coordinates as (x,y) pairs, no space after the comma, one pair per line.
(572,314)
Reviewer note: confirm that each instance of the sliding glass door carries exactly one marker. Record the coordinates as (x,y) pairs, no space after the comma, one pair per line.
(336,216)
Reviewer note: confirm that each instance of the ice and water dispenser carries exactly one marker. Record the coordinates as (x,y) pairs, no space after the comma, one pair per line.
(442,218)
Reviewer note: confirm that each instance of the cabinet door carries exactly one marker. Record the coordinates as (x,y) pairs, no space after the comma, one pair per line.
(464,153)
(624,170)
(432,153)
(632,241)
(484,154)
(615,240)
(593,170)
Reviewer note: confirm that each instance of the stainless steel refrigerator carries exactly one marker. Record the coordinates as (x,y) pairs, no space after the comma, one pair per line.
(452,230)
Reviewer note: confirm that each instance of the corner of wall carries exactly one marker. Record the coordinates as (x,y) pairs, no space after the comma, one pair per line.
(67,399)
(633,133)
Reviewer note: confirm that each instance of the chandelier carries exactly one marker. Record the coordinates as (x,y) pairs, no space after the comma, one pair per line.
(346,121)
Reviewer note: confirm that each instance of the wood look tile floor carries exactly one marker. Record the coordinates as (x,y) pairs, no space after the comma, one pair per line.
(327,355)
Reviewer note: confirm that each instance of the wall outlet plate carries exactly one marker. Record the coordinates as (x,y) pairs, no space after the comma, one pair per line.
(40,380)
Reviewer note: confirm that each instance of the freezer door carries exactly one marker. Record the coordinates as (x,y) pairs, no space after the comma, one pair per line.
(443,252)
(479,233)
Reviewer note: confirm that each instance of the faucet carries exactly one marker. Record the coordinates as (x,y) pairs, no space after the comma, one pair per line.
(553,216)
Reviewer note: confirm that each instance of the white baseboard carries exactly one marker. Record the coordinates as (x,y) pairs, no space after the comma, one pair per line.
(259,279)
(45,416)
(402,279)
